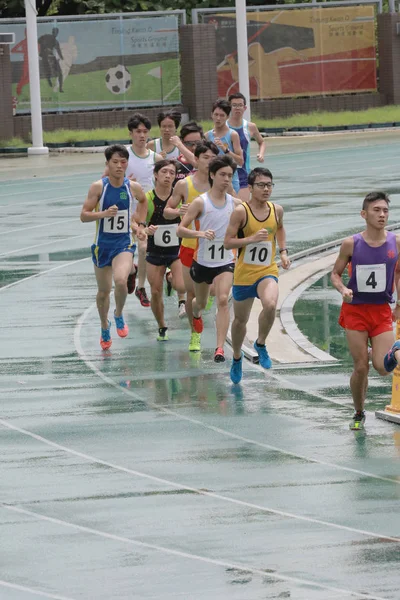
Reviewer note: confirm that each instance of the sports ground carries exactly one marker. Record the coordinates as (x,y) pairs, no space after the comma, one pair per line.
(143,472)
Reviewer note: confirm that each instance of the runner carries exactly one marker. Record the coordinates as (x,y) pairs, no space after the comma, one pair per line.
(185,191)
(246,130)
(211,212)
(162,243)
(365,314)
(226,139)
(109,203)
(191,134)
(140,168)
(255,228)
(168,123)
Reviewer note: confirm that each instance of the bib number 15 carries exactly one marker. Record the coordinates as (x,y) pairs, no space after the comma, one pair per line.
(117,224)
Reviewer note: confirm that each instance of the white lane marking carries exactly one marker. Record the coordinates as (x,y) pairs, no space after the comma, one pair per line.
(51,242)
(23,588)
(180,554)
(63,221)
(108,380)
(64,266)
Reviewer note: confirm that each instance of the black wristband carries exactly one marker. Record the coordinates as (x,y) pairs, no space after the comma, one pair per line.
(282,250)
(227,151)
(141,223)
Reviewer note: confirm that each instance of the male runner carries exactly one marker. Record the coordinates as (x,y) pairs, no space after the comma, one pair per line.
(140,168)
(168,123)
(162,243)
(246,130)
(211,213)
(372,256)
(191,134)
(255,228)
(226,139)
(185,191)
(109,203)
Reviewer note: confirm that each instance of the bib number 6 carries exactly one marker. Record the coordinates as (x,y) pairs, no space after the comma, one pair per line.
(165,236)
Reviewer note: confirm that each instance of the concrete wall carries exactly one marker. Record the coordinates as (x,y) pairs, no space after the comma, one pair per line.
(389,57)
(6,111)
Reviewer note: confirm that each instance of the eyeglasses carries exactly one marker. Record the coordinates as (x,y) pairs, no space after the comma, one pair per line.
(237,105)
(261,185)
(192,143)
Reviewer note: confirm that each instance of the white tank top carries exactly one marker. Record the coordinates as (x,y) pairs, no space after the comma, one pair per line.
(141,169)
(212,253)
(158,149)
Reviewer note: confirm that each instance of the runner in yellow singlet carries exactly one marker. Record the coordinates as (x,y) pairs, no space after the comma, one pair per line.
(185,191)
(254,229)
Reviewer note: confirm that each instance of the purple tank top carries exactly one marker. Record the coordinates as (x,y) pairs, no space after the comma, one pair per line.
(372,270)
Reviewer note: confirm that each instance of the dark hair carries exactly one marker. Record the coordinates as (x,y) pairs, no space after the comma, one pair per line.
(164,163)
(219,163)
(116,149)
(237,96)
(258,172)
(191,127)
(223,105)
(203,146)
(373,197)
(174,115)
(138,119)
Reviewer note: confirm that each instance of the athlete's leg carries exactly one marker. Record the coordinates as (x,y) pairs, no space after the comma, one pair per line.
(223,285)
(381,345)
(268,292)
(155,275)
(121,266)
(104,285)
(142,264)
(241,311)
(177,279)
(201,291)
(189,286)
(358,346)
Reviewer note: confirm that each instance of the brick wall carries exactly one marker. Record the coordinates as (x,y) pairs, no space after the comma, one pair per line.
(6,111)
(389,56)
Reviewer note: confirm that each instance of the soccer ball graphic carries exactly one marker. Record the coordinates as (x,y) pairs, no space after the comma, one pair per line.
(118,79)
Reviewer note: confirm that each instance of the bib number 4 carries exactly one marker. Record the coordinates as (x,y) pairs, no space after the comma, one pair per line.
(371,278)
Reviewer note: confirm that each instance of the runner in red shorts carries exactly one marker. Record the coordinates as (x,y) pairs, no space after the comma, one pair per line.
(372,257)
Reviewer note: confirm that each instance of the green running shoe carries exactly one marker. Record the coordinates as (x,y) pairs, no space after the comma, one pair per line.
(162,334)
(194,344)
(358,420)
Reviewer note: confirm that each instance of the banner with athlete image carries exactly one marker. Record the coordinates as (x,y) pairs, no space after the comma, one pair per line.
(101,63)
(300,52)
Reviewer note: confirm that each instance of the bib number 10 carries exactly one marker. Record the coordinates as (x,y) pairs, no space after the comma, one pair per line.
(258,254)
(371,278)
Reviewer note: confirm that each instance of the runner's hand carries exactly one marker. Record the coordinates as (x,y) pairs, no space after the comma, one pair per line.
(183,209)
(260,158)
(260,236)
(111,211)
(175,140)
(209,234)
(163,154)
(151,229)
(347,295)
(285,260)
(141,235)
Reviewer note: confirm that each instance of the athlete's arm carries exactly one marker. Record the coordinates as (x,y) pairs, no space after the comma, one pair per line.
(158,157)
(151,145)
(87,212)
(260,141)
(281,237)
(190,157)
(176,206)
(345,254)
(195,209)
(237,153)
(236,222)
(396,311)
(139,217)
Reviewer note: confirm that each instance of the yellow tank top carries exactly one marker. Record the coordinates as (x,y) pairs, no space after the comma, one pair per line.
(257,260)
(192,193)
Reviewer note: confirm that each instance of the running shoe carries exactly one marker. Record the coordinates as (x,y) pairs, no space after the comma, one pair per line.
(122,327)
(105,338)
(168,284)
(219,355)
(263,356)
(132,281)
(194,344)
(198,324)
(236,369)
(210,302)
(357,421)
(162,334)
(141,294)
(182,310)
(390,362)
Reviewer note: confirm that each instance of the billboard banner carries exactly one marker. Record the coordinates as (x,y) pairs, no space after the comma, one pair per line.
(100,63)
(300,52)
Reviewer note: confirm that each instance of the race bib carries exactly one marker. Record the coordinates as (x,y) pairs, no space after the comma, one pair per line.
(214,251)
(371,278)
(165,236)
(259,254)
(117,224)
